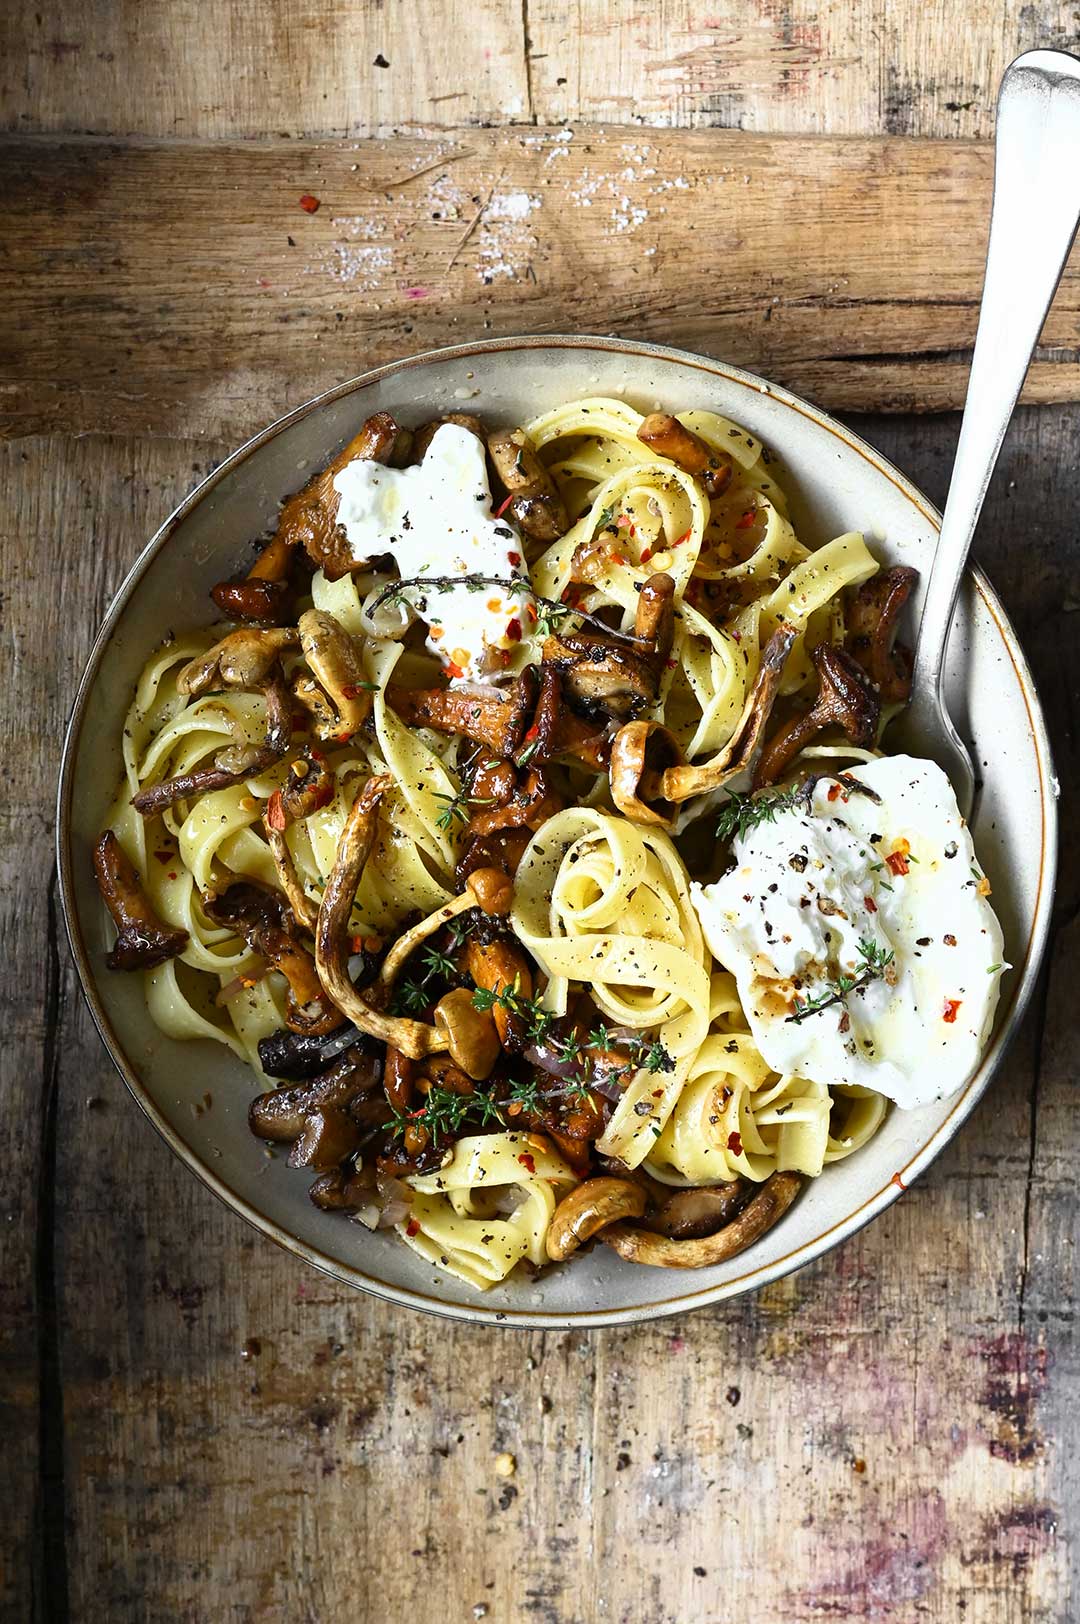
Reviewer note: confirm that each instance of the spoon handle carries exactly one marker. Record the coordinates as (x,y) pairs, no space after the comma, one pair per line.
(1032,225)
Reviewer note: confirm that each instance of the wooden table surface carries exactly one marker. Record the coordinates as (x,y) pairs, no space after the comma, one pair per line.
(198,1427)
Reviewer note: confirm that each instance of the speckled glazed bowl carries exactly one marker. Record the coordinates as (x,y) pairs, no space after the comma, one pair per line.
(837,483)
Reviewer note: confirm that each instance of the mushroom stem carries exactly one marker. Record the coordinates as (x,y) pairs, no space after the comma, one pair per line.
(142,940)
(662,1251)
(410,941)
(666,435)
(413,1038)
(845,699)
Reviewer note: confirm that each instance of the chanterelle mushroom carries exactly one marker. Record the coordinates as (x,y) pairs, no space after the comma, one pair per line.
(846,699)
(618,676)
(309,519)
(142,940)
(872,615)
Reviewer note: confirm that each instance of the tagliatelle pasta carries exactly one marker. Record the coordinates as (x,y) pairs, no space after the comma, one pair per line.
(340,788)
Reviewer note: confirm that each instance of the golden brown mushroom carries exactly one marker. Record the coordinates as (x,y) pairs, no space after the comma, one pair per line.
(587,1210)
(648,779)
(244,659)
(662,1251)
(413,1038)
(618,676)
(496,966)
(142,939)
(327,1137)
(280,1115)
(470,1033)
(427,431)
(668,437)
(479,882)
(334,657)
(495,718)
(535,503)
(309,786)
(845,699)
(688,1214)
(873,612)
(309,519)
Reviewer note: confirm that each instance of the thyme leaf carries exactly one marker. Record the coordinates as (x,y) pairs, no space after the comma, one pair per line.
(875,962)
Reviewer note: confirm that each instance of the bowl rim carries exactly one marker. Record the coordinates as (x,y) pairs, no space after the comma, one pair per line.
(530,1317)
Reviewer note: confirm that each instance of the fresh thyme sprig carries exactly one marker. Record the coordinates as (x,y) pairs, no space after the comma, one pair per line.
(456,808)
(537,1020)
(875,961)
(444,1112)
(741,813)
(551,613)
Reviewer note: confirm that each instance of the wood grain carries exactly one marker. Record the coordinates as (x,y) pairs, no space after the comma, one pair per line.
(192,287)
(882,1436)
(309,67)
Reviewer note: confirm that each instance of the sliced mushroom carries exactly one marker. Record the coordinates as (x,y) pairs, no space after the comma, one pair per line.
(427,431)
(243,659)
(309,519)
(256,913)
(280,1115)
(535,504)
(872,615)
(503,850)
(587,1210)
(413,1038)
(611,676)
(693,1213)
(662,1251)
(142,939)
(340,1191)
(499,965)
(470,1034)
(297,1055)
(309,787)
(398,1079)
(327,1137)
(648,779)
(845,699)
(334,657)
(495,718)
(668,437)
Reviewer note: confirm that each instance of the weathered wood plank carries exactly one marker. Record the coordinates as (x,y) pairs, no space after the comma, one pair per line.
(156,284)
(308,67)
(348,1466)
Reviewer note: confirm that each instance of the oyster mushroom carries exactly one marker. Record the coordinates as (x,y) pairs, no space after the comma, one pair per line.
(413,1038)
(309,519)
(535,504)
(587,1210)
(309,787)
(873,612)
(257,914)
(648,775)
(243,659)
(845,699)
(490,716)
(142,939)
(334,657)
(761,1212)
(666,435)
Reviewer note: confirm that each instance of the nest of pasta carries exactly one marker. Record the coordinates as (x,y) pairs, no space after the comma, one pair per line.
(443,910)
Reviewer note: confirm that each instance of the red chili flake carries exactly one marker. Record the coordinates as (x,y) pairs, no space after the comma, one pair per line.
(412,1227)
(734,1144)
(515,558)
(870,904)
(737,636)
(513,630)
(502,507)
(533,732)
(633,530)
(454,669)
(684,537)
(309,204)
(951,1007)
(505,656)
(834,792)
(669,665)
(622,521)
(164,856)
(530,610)
(275,812)
(898,863)
(351,691)
(746,520)
(898,1181)
(527,1162)
(172,874)
(356,943)
(343,738)
(316,755)
(646,554)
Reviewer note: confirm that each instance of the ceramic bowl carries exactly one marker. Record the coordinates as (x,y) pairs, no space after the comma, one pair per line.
(836,482)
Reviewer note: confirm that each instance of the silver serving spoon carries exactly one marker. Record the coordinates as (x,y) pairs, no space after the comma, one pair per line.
(1033,221)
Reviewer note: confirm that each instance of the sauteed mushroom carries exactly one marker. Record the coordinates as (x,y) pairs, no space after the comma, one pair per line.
(334,657)
(142,939)
(493,717)
(413,1038)
(692,1213)
(587,1210)
(501,964)
(872,615)
(478,884)
(297,1055)
(611,676)
(309,786)
(309,519)
(243,659)
(649,778)
(427,431)
(340,1191)
(531,804)
(666,435)
(470,1033)
(760,1214)
(535,503)
(845,699)
(280,1115)
(257,915)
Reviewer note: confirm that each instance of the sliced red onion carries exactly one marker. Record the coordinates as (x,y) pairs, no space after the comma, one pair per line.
(392,1214)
